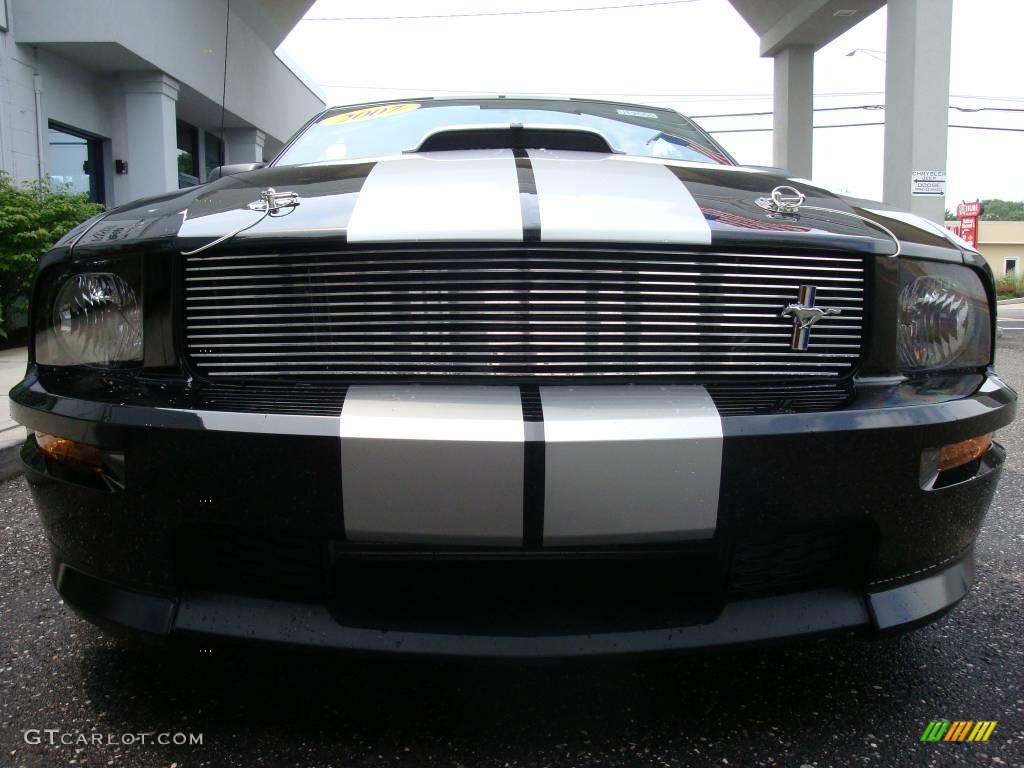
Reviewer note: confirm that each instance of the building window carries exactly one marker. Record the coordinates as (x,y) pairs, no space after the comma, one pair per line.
(188,155)
(214,152)
(1010,266)
(75,162)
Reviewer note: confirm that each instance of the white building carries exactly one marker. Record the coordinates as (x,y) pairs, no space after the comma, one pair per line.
(122,98)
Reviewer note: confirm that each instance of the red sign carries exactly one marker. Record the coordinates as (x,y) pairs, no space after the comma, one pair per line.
(970,210)
(969,230)
(969,213)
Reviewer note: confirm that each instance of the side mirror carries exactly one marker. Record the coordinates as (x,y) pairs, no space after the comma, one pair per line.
(231,170)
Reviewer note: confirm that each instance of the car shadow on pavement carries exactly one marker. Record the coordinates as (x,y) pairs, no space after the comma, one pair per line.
(695,702)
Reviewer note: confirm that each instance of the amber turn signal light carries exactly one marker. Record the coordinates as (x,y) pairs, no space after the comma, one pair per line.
(78,455)
(958,454)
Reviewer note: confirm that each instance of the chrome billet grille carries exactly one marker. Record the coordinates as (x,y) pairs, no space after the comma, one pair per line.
(517,311)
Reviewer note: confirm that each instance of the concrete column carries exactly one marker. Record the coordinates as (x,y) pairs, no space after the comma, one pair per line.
(793,134)
(150,109)
(244,145)
(916,99)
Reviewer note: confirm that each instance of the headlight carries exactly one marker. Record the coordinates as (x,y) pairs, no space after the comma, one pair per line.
(944,319)
(95,318)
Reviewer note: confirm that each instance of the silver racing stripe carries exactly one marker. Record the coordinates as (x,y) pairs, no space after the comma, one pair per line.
(446,464)
(630,464)
(589,197)
(433,464)
(442,196)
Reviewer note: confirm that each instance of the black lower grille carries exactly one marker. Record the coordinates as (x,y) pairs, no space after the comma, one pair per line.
(780,560)
(297,399)
(515,596)
(779,398)
(280,564)
(308,399)
(518,311)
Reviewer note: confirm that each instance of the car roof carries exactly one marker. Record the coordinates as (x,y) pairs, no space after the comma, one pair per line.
(503,97)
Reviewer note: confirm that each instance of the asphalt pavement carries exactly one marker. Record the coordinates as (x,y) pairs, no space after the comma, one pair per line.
(1010,318)
(827,702)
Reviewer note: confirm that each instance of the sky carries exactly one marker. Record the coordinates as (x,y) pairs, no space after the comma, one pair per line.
(698,57)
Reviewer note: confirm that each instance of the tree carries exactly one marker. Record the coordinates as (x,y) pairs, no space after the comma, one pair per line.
(33,216)
(1003,210)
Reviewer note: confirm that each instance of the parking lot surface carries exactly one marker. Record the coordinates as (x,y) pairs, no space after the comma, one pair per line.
(828,702)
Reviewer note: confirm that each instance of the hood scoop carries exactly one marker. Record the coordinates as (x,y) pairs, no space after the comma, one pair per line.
(515,137)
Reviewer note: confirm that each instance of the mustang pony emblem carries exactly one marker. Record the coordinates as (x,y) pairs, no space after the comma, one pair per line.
(805,315)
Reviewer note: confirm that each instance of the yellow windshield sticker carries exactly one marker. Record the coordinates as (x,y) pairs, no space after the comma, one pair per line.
(369,113)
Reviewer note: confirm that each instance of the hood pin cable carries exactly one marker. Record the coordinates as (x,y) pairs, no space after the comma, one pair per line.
(271,203)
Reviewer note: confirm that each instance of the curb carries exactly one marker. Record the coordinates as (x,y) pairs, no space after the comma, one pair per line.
(1011,301)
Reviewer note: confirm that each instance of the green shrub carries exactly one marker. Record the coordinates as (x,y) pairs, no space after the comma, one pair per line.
(33,216)
(1010,286)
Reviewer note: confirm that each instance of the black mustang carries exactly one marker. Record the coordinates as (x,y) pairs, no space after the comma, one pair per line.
(510,377)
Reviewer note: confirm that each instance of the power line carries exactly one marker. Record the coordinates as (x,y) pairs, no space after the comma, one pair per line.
(987,128)
(634,94)
(763,114)
(861,125)
(873,107)
(691,96)
(988,109)
(502,13)
(766,130)
(988,98)
(855,106)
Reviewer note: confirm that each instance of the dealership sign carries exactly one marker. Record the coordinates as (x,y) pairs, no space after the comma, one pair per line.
(974,209)
(928,183)
(969,213)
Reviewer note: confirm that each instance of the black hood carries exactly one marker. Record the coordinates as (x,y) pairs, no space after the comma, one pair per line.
(488,195)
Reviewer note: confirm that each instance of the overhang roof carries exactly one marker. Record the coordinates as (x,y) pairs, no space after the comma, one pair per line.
(272,20)
(815,23)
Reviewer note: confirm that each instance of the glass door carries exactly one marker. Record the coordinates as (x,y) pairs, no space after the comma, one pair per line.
(75,162)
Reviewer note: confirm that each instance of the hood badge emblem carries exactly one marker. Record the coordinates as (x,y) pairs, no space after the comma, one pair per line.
(785,201)
(805,315)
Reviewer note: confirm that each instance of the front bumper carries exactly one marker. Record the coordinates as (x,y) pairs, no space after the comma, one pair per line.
(204,616)
(228,523)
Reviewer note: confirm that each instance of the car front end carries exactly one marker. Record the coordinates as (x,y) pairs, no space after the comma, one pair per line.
(512,394)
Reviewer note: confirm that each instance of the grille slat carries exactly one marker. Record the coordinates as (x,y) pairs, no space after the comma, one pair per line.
(521,311)
(454,276)
(473,321)
(670,336)
(558,353)
(547,255)
(505,344)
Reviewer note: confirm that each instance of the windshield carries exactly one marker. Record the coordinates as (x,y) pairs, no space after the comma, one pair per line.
(353,133)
